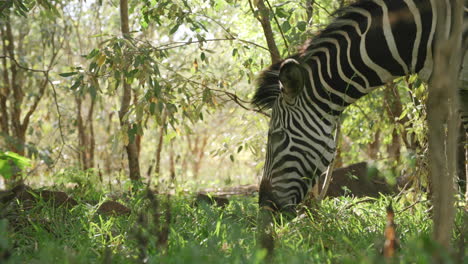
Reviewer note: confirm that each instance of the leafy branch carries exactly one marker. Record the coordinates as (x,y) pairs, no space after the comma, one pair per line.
(232,96)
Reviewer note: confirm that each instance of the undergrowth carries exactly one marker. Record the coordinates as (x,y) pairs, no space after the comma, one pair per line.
(338,230)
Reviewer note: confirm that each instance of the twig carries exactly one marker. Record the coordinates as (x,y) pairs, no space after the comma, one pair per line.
(177,44)
(328,176)
(279,26)
(412,205)
(264,20)
(323,8)
(54,92)
(21,66)
(358,202)
(230,95)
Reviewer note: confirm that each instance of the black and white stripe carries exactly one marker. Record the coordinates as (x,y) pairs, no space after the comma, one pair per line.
(370,43)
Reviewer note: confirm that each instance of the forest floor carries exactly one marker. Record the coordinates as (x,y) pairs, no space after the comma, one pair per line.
(88,225)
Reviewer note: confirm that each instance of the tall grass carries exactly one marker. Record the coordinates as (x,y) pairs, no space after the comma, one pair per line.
(340,230)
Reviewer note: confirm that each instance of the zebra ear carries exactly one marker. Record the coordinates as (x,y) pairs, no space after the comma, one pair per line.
(291,78)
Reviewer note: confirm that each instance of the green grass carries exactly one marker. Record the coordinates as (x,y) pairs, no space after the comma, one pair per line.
(343,230)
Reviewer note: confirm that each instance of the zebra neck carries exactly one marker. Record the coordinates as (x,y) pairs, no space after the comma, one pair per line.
(370,44)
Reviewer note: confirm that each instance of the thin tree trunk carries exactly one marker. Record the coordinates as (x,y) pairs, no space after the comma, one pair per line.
(466,168)
(157,167)
(138,137)
(442,107)
(198,153)
(373,147)
(172,161)
(18,95)
(264,19)
(131,147)
(394,109)
(4,90)
(462,165)
(310,11)
(86,139)
(81,135)
(91,140)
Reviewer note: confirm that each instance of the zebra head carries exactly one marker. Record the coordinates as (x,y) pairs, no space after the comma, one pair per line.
(300,145)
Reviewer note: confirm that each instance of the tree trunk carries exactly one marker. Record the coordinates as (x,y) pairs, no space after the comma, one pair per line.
(310,11)
(91,139)
(264,19)
(82,142)
(198,154)
(131,147)
(12,124)
(393,149)
(18,132)
(86,141)
(462,165)
(442,107)
(373,147)
(157,168)
(4,90)
(172,162)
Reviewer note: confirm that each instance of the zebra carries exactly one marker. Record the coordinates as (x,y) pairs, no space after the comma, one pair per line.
(368,44)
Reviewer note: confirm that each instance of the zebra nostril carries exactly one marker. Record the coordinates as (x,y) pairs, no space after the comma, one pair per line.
(289,211)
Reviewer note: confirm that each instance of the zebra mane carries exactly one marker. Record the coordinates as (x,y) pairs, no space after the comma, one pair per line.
(336,23)
(268,87)
(268,84)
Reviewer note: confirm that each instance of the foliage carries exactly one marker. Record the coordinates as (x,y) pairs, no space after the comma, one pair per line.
(12,163)
(342,230)
(194,61)
(22,7)
(191,65)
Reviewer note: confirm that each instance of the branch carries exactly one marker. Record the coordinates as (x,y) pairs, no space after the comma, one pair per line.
(59,122)
(178,44)
(328,176)
(44,85)
(323,8)
(265,22)
(279,27)
(442,108)
(412,205)
(21,66)
(231,96)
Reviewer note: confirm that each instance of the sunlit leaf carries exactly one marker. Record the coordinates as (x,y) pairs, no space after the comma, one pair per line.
(11,163)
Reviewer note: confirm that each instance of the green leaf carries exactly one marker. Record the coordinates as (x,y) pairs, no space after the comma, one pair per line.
(301,25)
(174,29)
(206,95)
(239,149)
(152,108)
(8,161)
(68,74)
(156,88)
(93,91)
(286,26)
(77,82)
(280,12)
(132,132)
(92,54)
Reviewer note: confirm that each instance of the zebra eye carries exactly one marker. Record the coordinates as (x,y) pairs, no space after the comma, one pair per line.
(278,135)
